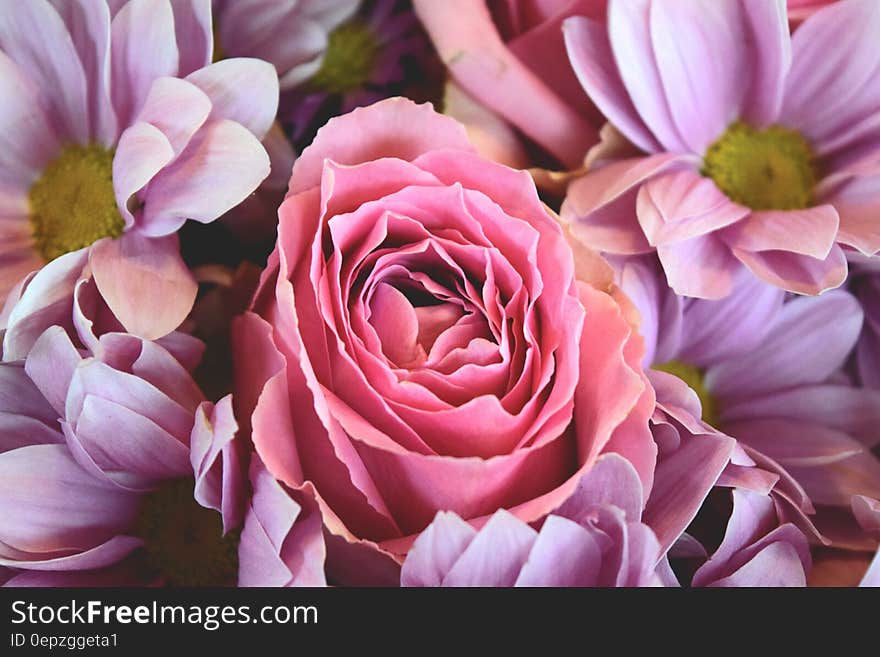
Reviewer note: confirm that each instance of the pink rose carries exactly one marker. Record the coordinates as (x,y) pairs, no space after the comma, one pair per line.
(420,342)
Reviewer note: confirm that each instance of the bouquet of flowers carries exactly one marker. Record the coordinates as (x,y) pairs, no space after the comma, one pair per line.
(439,292)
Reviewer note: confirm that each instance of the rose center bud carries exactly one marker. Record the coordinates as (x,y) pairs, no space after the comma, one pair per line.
(696,381)
(348,62)
(184,541)
(770,169)
(73,204)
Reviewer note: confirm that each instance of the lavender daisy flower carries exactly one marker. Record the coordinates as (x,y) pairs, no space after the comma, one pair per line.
(109,493)
(775,383)
(104,147)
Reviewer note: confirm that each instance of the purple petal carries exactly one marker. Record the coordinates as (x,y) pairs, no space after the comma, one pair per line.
(496,554)
(825,327)
(794,272)
(282,543)
(564,554)
(435,551)
(681,483)
(50,504)
(216,463)
(51,364)
(589,51)
(629,28)
(142,152)
(831,91)
(611,481)
(776,565)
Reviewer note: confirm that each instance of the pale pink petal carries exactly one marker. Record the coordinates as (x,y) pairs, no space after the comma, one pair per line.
(142,152)
(680,205)
(47,300)
(776,565)
(836,483)
(682,481)
(770,61)
(564,554)
(601,206)
(25,30)
(856,197)
(50,365)
(121,440)
(872,575)
(89,26)
(143,48)
(19,397)
(106,554)
(242,90)
(282,543)
(794,443)
(701,267)
(178,108)
(701,55)
(810,232)
(611,481)
(867,513)
(144,282)
(28,142)
(795,272)
(222,164)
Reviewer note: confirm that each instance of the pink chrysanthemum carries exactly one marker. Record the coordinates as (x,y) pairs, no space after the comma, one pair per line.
(761,148)
(114,125)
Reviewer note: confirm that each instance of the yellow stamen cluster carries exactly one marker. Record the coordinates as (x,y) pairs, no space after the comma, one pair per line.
(73,204)
(771,169)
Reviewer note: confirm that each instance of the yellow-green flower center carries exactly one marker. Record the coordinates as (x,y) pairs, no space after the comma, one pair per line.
(348,61)
(694,378)
(72,204)
(184,541)
(771,169)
